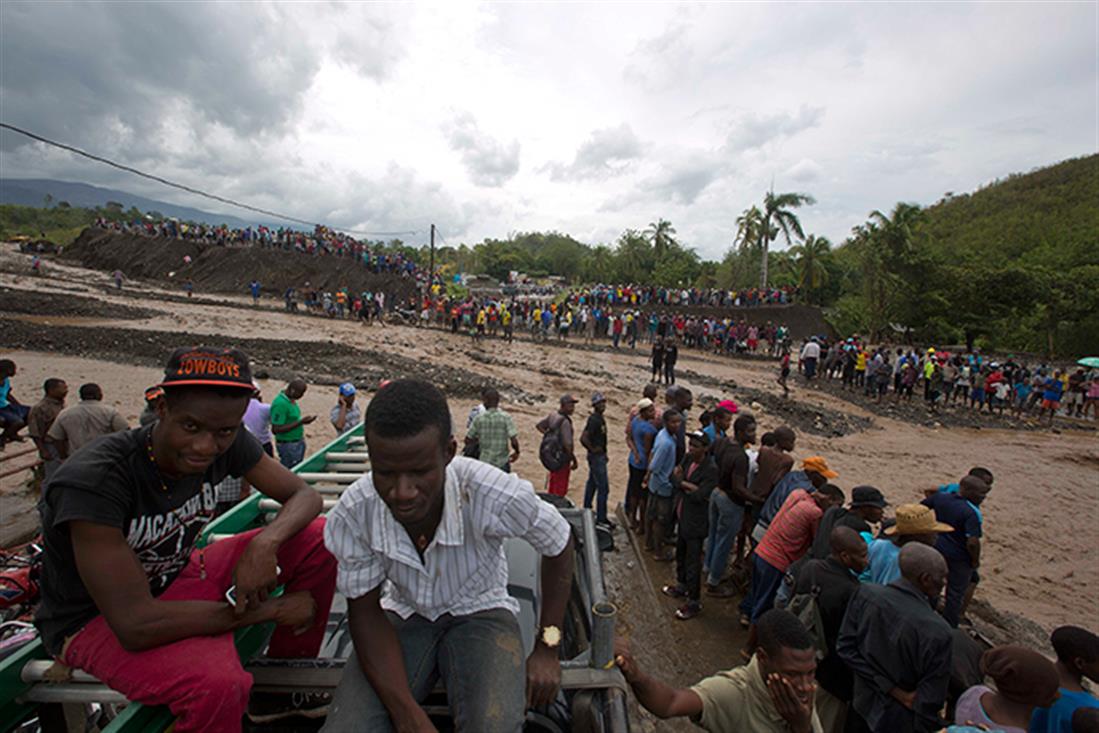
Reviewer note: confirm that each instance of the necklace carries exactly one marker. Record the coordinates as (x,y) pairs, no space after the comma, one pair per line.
(179,520)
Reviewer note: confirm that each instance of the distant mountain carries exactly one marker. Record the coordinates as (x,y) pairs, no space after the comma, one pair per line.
(33,192)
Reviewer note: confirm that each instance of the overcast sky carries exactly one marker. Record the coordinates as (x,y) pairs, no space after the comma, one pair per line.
(584,118)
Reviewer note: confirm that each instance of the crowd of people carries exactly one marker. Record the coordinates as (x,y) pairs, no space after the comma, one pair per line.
(966,381)
(842,596)
(322,241)
(643,295)
(492,318)
(851,598)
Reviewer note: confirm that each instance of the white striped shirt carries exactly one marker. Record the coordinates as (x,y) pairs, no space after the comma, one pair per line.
(464,569)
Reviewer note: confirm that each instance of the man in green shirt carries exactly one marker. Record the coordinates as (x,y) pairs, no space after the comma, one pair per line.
(494,431)
(288,425)
(773,693)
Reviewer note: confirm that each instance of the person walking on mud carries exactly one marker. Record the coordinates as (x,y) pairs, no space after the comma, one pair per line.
(671,356)
(784,372)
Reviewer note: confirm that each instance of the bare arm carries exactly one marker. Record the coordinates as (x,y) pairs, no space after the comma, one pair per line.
(543,665)
(255,574)
(280,429)
(659,698)
(118,585)
(973,546)
(384,665)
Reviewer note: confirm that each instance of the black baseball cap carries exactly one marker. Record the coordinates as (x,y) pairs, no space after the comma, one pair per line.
(205,366)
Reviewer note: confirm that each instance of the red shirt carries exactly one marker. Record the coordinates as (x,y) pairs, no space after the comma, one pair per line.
(791,532)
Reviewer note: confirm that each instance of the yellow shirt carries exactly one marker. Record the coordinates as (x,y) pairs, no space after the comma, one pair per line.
(737,701)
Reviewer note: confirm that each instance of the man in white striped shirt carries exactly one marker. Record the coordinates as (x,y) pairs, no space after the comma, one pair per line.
(419,542)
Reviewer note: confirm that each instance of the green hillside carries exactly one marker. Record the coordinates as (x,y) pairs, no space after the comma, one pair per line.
(1047,217)
(1013,266)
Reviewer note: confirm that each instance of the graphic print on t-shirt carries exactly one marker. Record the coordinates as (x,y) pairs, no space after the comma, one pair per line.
(162,544)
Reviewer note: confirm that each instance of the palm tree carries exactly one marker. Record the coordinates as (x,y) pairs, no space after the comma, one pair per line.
(749,227)
(661,235)
(811,272)
(897,230)
(778,217)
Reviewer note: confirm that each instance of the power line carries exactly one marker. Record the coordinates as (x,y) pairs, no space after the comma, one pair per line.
(181,186)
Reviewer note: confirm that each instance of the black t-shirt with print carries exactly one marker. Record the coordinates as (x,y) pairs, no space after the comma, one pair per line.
(597,433)
(113,482)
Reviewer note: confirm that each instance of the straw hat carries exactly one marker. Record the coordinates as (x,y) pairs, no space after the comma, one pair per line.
(916,519)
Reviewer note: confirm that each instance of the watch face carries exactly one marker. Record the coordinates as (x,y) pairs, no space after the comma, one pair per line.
(551,636)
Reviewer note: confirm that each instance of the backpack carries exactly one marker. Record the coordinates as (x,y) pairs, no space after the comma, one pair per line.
(805,607)
(551,452)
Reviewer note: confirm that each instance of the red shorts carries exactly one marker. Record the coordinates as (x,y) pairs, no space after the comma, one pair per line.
(559,481)
(1050,404)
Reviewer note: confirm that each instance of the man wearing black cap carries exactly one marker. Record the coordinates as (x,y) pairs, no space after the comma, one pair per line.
(125,594)
(594,440)
(866,508)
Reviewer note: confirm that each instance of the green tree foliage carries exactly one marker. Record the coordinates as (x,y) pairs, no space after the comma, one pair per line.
(1014,266)
(811,267)
(661,235)
(778,216)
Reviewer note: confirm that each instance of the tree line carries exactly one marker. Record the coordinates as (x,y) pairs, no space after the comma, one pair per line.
(1014,265)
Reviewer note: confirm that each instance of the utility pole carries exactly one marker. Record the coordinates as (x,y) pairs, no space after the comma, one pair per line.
(431,267)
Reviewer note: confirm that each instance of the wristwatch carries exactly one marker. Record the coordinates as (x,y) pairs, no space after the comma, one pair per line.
(551,636)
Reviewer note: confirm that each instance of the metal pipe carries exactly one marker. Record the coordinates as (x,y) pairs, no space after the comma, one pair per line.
(594,559)
(357,469)
(270,505)
(334,478)
(602,634)
(358,455)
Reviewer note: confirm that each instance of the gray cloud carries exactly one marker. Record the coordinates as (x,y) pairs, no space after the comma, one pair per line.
(607,152)
(660,61)
(488,161)
(805,170)
(753,130)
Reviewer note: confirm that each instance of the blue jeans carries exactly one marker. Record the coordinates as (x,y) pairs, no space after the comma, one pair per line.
(479,658)
(597,485)
(726,517)
(766,579)
(291,453)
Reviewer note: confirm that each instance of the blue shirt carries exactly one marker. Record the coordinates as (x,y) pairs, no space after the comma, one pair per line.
(952,509)
(1053,390)
(640,428)
(884,565)
(712,433)
(1058,717)
(5,390)
(661,465)
(954,489)
(783,489)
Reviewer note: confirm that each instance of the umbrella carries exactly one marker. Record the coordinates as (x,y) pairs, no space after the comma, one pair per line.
(1089,361)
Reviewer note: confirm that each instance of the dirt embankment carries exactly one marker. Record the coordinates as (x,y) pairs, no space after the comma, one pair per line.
(226,269)
(43,304)
(318,362)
